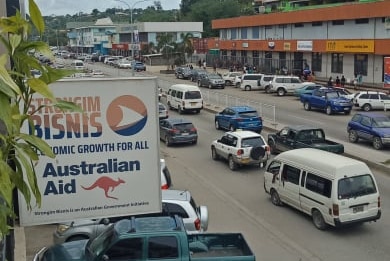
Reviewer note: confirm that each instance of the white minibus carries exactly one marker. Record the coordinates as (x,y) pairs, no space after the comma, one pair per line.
(184,97)
(333,189)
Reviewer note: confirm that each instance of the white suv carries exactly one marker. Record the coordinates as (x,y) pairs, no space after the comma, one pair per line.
(371,100)
(174,202)
(241,148)
(285,84)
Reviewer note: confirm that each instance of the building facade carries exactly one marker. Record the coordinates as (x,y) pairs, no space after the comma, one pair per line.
(344,39)
(105,37)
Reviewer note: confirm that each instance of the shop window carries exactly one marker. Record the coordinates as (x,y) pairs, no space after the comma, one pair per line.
(337,63)
(361,64)
(316,62)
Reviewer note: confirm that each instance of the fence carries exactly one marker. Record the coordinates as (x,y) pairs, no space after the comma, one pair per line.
(266,111)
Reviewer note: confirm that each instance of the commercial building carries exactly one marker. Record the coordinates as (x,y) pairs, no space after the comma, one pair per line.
(332,40)
(105,37)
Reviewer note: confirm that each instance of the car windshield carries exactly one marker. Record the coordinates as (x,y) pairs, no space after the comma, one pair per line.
(183,126)
(252,142)
(193,95)
(382,122)
(248,114)
(214,76)
(353,187)
(330,95)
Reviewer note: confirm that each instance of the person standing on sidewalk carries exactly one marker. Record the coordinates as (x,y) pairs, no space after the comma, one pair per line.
(342,81)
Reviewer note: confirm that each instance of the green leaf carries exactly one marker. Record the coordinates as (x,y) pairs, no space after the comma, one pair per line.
(14,40)
(38,143)
(5,111)
(28,150)
(6,79)
(36,17)
(6,186)
(68,106)
(40,87)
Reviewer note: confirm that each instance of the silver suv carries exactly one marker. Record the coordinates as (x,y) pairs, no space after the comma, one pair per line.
(371,100)
(285,84)
(174,202)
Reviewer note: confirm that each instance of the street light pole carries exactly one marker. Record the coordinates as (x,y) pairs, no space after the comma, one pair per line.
(131,8)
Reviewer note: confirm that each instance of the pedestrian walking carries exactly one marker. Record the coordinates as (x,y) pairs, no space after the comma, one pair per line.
(337,81)
(342,81)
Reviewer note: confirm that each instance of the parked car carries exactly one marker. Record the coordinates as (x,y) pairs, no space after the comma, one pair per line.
(123,64)
(174,202)
(230,77)
(211,80)
(183,72)
(371,100)
(251,81)
(370,126)
(177,130)
(138,66)
(241,148)
(162,111)
(306,89)
(282,85)
(195,73)
(239,117)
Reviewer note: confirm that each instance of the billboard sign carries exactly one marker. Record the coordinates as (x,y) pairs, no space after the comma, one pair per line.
(107,158)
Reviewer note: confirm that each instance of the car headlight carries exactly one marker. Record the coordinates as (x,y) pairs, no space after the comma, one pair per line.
(337,103)
(62,228)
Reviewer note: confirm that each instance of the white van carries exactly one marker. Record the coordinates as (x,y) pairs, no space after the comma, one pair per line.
(78,64)
(184,97)
(335,190)
(251,81)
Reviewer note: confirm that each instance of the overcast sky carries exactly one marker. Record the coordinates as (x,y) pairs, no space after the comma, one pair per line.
(63,7)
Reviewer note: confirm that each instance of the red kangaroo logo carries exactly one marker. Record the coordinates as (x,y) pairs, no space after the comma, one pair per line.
(105,183)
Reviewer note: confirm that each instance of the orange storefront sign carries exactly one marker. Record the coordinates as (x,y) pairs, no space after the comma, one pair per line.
(350,46)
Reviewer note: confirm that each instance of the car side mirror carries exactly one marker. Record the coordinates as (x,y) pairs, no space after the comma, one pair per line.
(106,221)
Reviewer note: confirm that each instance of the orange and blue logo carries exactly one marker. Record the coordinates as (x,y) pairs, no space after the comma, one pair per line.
(127,115)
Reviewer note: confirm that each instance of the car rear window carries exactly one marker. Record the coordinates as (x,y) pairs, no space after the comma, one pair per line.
(184,126)
(252,142)
(193,95)
(248,114)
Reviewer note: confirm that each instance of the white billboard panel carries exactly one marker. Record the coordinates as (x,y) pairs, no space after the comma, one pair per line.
(107,158)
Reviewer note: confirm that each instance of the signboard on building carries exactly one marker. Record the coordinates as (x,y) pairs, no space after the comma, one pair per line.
(305,46)
(386,71)
(107,158)
(286,46)
(350,46)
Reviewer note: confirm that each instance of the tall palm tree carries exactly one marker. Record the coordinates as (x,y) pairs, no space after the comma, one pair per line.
(166,46)
(186,46)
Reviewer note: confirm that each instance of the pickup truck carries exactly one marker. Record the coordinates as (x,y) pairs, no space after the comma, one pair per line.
(301,136)
(151,238)
(327,99)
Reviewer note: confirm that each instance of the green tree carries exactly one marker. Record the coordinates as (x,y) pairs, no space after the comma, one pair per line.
(166,46)
(185,45)
(17,88)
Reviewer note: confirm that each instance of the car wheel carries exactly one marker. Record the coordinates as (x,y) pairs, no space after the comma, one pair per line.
(281,92)
(228,83)
(257,153)
(377,143)
(214,154)
(307,106)
(167,142)
(272,147)
(366,107)
(328,110)
(195,141)
(275,199)
(353,136)
(232,128)
(318,220)
(232,164)
(217,125)
(247,88)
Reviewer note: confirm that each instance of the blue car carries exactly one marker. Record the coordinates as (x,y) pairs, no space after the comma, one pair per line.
(239,117)
(370,126)
(138,66)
